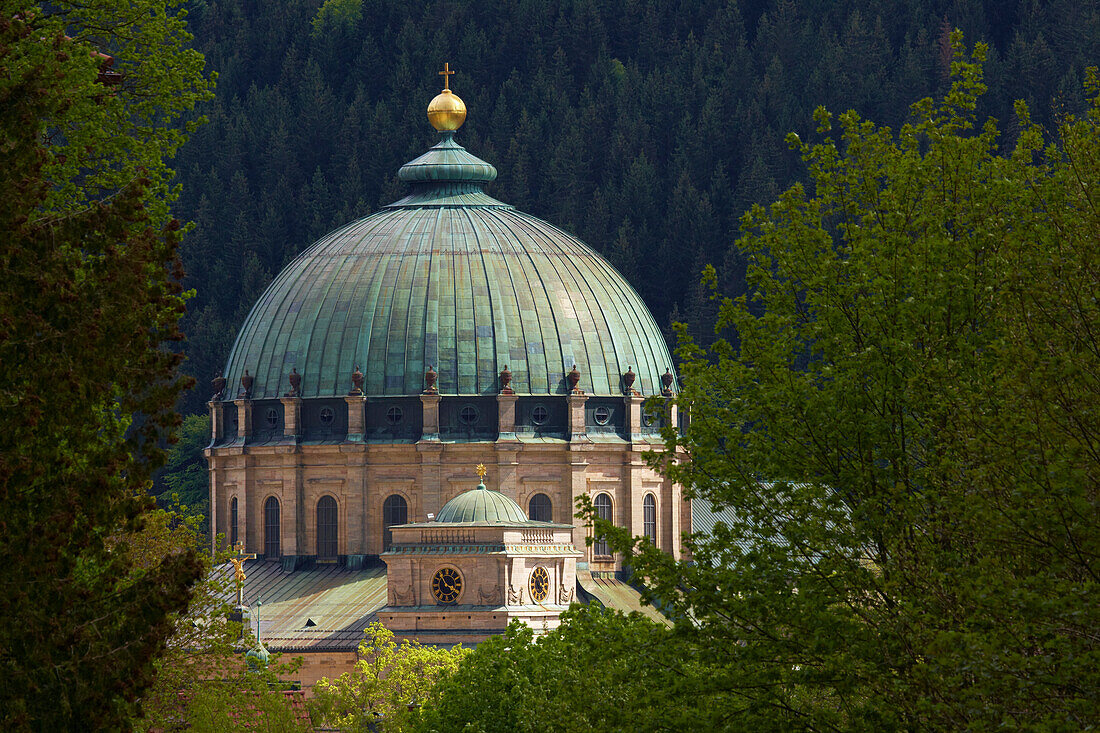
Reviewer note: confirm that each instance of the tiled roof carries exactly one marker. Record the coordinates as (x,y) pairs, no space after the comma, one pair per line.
(704,516)
(340,602)
(619,595)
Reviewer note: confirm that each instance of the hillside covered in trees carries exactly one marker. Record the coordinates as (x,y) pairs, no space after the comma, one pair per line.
(645,127)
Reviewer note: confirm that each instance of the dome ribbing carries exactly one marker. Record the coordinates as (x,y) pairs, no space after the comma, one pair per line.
(482,505)
(452,278)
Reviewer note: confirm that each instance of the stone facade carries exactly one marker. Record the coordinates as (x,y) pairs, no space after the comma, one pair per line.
(493,565)
(297,468)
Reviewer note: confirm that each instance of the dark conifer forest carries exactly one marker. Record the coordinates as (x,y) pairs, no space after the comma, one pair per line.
(645,127)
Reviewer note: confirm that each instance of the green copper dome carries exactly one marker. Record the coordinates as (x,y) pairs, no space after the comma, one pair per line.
(482,505)
(451,278)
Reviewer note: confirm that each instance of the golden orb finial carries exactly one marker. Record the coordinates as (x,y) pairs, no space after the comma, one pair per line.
(446,112)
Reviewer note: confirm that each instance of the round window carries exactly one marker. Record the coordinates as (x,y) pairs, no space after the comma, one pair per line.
(647,419)
(395,415)
(468,415)
(272,417)
(540,414)
(327,416)
(601,415)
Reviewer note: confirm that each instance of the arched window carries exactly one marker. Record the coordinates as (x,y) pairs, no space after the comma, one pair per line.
(326,528)
(538,509)
(233,522)
(394,511)
(649,518)
(603,511)
(271,528)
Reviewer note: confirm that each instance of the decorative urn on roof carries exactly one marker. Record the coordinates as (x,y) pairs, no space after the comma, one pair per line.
(247,380)
(628,380)
(219,387)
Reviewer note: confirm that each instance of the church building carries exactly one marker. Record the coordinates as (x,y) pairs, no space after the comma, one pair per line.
(446,331)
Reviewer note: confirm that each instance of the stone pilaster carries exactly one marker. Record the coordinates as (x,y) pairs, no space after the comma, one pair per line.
(244,417)
(218,507)
(507,481)
(292,416)
(506,416)
(217,421)
(431,481)
(578,482)
(356,416)
(430,429)
(671,411)
(577,428)
(634,416)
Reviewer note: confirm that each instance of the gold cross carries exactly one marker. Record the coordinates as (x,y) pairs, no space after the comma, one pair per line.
(481,471)
(238,564)
(446,74)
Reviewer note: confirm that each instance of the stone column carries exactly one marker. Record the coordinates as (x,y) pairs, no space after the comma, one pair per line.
(244,417)
(430,420)
(217,420)
(356,416)
(292,416)
(506,416)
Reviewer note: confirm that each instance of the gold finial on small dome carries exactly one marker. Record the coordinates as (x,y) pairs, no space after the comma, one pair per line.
(481,470)
(446,112)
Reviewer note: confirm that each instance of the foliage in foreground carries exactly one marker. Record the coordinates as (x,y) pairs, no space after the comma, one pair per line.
(202,682)
(390,686)
(600,670)
(89,300)
(906,438)
(185,472)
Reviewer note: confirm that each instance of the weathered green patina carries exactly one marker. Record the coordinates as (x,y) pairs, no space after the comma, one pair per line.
(482,505)
(451,278)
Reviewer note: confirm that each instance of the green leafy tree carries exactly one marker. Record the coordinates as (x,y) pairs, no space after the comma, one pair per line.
(904,442)
(391,684)
(89,300)
(107,134)
(202,681)
(185,474)
(600,670)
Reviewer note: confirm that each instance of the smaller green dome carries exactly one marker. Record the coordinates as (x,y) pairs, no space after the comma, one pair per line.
(258,656)
(482,505)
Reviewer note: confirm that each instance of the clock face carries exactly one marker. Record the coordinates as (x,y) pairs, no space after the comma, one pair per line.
(539,585)
(446,585)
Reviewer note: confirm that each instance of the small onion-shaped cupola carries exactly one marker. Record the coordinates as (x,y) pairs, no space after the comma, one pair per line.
(257,657)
